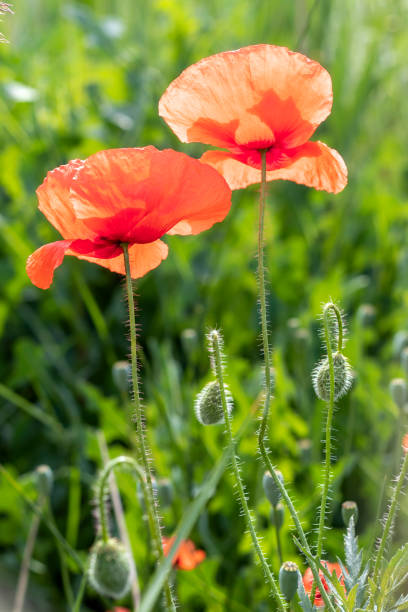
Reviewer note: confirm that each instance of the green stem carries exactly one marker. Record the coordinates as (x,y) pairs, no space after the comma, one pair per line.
(388,525)
(151,503)
(25,565)
(214,339)
(81,592)
(63,563)
(278,543)
(329,420)
(268,380)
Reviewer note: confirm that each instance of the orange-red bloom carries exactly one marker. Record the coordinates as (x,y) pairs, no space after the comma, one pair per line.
(257,98)
(405,443)
(308,580)
(187,556)
(125,195)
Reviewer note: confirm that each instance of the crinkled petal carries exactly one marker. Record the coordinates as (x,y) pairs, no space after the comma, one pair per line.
(142,257)
(261,93)
(54,201)
(314,165)
(42,263)
(138,195)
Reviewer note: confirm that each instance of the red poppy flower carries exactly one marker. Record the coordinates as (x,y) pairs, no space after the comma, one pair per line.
(405,443)
(187,556)
(257,98)
(125,195)
(308,580)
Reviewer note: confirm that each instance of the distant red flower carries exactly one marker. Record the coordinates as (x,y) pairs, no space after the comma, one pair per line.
(187,556)
(257,98)
(119,609)
(405,443)
(132,196)
(308,580)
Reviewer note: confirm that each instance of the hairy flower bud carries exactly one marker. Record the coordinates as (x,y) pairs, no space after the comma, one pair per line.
(342,377)
(288,579)
(271,489)
(110,569)
(45,480)
(121,375)
(349,509)
(208,405)
(398,391)
(277,515)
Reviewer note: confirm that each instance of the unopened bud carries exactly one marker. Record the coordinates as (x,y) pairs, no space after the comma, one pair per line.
(349,509)
(398,391)
(342,377)
(110,570)
(45,480)
(121,375)
(399,342)
(404,361)
(208,405)
(288,579)
(277,515)
(270,487)
(366,314)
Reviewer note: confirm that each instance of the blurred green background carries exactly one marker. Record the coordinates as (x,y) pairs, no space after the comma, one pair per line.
(77,77)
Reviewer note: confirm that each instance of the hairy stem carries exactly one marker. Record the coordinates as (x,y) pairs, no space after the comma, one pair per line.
(151,504)
(268,379)
(329,420)
(240,487)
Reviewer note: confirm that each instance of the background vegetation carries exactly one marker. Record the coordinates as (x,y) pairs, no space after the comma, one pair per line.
(82,76)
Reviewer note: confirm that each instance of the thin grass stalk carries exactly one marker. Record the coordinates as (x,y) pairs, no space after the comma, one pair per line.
(151,504)
(25,565)
(387,531)
(240,487)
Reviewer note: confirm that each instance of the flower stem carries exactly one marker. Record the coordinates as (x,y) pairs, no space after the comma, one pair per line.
(150,501)
(214,339)
(268,379)
(25,565)
(329,420)
(388,525)
(278,543)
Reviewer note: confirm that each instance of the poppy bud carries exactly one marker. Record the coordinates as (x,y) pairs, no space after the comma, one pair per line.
(398,391)
(271,489)
(288,579)
(349,509)
(277,515)
(404,361)
(45,480)
(121,375)
(399,342)
(208,405)
(110,570)
(366,314)
(342,377)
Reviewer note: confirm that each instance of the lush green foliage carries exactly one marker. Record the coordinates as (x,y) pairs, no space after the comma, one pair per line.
(82,76)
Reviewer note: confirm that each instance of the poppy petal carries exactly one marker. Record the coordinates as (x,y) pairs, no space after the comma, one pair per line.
(142,257)
(314,165)
(261,92)
(54,201)
(173,192)
(41,264)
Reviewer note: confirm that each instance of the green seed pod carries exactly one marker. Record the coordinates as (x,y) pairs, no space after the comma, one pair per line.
(349,509)
(277,515)
(399,342)
(288,579)
(45,480)
(110,570)
(208,405)
(271,489)
(398,391)
(342,377)
(121,375)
